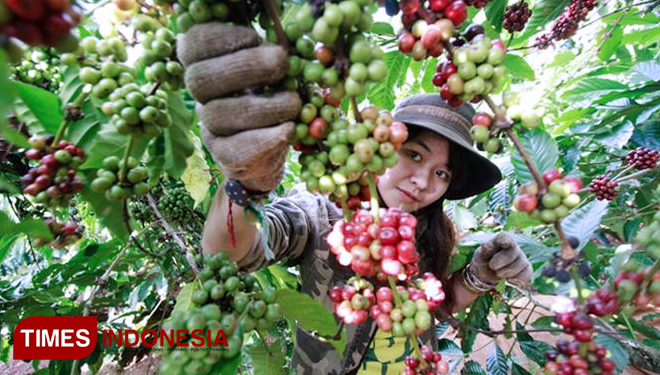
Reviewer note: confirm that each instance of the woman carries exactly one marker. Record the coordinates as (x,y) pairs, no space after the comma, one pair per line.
(248,137)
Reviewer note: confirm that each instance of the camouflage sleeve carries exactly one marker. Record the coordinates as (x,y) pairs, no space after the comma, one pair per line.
(293,224)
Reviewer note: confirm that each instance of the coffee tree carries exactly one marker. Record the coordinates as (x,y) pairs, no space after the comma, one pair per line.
(105,182)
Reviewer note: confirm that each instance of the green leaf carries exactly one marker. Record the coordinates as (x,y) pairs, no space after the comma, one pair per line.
(451,353)
(583,222)
(620,355)
(228,368)
(8,92)
(184,298)
(477,318)
(561,59)
(269,361)
(533,349)
(178,146)
(648,70)
(642,38)
(592,88)
(6,243)
(429,71)
(109,142)
(111,214)
(45,105)
(381,94)
(540,148)
(35,228)
(494,13)
(519,370)
(382,28)
(610,45)
(496,362)
(473,368)
(518,67)
(543,12)
(12,135)
(310,313)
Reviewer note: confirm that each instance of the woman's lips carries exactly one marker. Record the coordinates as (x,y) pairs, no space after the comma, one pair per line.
(408,194)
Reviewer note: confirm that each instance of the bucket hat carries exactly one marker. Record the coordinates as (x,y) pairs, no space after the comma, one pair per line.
(431,112)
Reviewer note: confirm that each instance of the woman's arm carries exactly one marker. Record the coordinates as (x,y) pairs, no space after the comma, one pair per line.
(216,237)
(462,296)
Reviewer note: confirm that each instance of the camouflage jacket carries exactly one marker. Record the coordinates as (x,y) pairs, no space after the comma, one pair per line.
(297,228)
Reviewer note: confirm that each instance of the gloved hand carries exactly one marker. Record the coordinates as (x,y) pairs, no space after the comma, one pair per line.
(502,259)
(247,133)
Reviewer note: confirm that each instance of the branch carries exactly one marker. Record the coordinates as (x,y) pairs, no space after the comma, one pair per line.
(356,112)
(282,40)
(177,239)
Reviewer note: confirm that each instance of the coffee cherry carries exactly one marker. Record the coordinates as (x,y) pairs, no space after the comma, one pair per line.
(604,188)
(516,16)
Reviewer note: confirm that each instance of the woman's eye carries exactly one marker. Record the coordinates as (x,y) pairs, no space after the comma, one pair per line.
(414,155)
(442,174)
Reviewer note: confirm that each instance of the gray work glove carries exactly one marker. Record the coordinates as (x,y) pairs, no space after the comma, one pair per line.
(248,134)
(502,259)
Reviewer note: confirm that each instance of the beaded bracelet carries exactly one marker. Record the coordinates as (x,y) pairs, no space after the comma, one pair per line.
(242,196)
(473,283)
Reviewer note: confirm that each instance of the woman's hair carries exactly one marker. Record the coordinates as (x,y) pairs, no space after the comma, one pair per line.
(436,236)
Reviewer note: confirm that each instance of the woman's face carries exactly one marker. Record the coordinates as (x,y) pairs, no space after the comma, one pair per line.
(420,177)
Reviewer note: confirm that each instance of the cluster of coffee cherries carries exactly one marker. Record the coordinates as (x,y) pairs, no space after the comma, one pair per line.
(487,137)
(413,11)
(568,22)
(331,50)
(353,300)
(102,64)
(63,234)
(424,40)
(582,356)
(559,268)
(40,69)
(414,315)
(176,204)
(377,249)
(54,180)
(225,302)
(189,13)
(603,301)
(629,289)
(158,56)
(336,154)
(604,188)
(479,68)
(40,23)
(138,110)
(516,16)
(528,116)
(553,205)
(118,180)
(643,158)
(434,363)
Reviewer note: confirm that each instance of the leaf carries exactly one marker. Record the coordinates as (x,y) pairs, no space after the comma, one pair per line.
(618,136)
(620,355)
(592,88)
(463,218)
(541,148)
(111,214)
(650,70)
(533,349)
(544,322)
(13,135)
(451,353)
(228,368)
(561,59)
(429,71)
(178,146)
(479,310)
(6,243)
(184,298)
(382,28)
(196,176)
(36,228)
(473,368)
(310,313)
(583,222)
(544,12)
(642,38)
(109,142)
(611,44)
(519,370)
(269,361)
(8,92)
(381,94)
(494,13)
(518,67)
(45,105)
(496,362)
